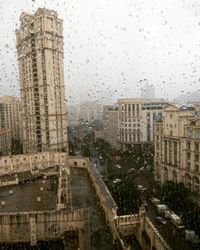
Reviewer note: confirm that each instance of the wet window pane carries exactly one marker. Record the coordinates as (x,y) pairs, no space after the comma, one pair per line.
(99,124)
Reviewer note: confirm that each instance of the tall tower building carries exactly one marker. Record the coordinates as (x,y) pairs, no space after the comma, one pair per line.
(40,57)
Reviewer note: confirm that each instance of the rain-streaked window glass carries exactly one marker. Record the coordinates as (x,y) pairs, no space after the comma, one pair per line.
(100,124)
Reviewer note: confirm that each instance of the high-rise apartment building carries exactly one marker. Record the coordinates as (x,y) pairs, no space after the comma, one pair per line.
(136,120)
(9,122)
(40,57)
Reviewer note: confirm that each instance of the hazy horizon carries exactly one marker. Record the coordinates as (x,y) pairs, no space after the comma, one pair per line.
(113,47)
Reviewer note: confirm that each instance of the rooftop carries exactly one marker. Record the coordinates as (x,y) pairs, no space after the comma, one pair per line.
(34,195)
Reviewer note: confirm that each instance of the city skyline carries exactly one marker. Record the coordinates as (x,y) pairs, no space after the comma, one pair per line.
(102,57)
(122,176)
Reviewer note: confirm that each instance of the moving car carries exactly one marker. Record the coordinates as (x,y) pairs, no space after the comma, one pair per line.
(117,181)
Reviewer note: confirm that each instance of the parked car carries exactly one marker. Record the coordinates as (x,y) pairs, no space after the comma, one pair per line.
(176,221)
(160,220)
(141,188)
(167,214)
(148,168)
(161,208)
(132,170)
(189,235)
(155,201)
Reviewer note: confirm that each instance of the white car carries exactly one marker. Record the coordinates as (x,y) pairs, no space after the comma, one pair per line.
(141,188)
(117,181)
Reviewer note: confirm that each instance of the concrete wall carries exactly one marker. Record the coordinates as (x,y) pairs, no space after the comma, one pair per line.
(34,226)
(20,163)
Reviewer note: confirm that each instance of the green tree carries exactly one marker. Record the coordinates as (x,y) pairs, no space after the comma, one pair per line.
(176,195)
(125,195)
(16,146)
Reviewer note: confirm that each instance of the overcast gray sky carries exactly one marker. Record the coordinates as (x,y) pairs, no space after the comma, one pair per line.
(111,46)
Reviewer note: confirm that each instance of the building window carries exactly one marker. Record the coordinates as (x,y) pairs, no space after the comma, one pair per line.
(196,157)
(188,145)
(196,168)
(196,147)
(188,156)
(190,131)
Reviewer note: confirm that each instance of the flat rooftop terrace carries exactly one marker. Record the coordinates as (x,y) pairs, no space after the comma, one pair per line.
(83,196)
(33,195)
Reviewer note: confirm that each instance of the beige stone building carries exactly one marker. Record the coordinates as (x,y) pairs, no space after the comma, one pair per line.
(177,147)
(110,125)
(40,56)
(9,122)
(136,120)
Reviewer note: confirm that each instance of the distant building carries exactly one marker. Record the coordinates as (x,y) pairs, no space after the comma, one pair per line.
(177,147)
(148,92)
(90,111)
(73,115)
(40,56)
(136,120)
(110,125)
(9,122)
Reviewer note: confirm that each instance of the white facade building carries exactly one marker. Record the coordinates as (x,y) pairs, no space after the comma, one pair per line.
(136,120)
